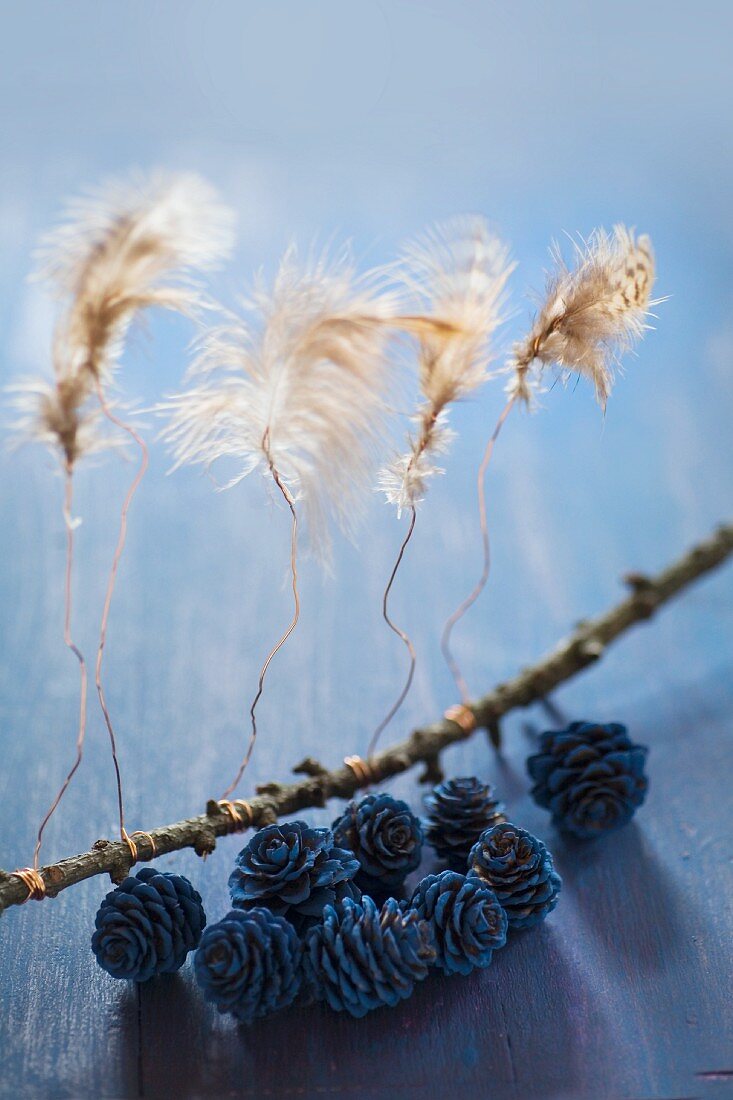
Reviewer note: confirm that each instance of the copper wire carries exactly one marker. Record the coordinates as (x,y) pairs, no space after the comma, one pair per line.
(121,538)
(294,622)
(361,768)
(428,423)
(69,642)
(463,716)
(400,634)
(150,839)
(33,882)
(481,584)
(239,810)
(130,843)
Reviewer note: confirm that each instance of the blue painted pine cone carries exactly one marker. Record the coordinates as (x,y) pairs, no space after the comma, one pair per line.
(458,812)
(361,957)
(293,870)
(590,776)
(148,925)
(386,838)
(468,922)
(519,869)
(248,964)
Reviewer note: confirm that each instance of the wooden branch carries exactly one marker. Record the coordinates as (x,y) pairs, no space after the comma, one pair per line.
(582,648)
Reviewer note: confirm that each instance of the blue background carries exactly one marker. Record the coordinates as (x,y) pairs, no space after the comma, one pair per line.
(368,121)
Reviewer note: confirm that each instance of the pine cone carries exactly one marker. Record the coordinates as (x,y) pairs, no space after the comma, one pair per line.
(361,958)
(148,925)
(386,838)
(519,869)
(468,922)
(249,964)
(293,870)
(590,776)
(459,811)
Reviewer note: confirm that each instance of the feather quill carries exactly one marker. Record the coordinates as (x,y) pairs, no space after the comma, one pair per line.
(456,275)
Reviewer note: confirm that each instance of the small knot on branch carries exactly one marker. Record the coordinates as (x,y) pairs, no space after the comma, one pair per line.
(205,842)
(638,582)
(590,650)
(54,877)
(309,766)
(493,730)
(270,788)
(642,588)
(432,773)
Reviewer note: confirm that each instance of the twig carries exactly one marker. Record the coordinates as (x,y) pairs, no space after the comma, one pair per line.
(582,648)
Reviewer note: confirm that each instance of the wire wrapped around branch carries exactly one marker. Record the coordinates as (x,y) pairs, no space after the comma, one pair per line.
(582,648)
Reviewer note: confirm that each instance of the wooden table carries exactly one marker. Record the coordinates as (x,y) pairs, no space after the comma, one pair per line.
(624,992)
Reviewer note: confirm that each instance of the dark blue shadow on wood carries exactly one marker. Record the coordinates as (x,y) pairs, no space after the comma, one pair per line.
(643,920)
(482,1021)
(122,1021)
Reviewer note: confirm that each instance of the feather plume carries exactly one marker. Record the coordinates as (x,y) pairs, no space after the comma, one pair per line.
(123,249)
(592,312)
(298,388)
(457,276)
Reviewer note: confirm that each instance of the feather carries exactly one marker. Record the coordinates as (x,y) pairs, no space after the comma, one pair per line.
(123,249)
(404,481)
(57,415)
(592,312)
(457,276)
(297,387)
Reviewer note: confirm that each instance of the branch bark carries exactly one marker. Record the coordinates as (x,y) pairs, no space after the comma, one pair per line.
(582,648)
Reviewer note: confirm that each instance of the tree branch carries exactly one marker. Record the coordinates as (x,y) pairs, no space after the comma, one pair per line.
(582,648)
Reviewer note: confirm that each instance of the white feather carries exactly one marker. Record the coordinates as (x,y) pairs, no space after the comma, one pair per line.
(299,387)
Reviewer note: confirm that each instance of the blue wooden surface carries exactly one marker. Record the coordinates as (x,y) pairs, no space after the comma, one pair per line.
(624,992)
(372,120)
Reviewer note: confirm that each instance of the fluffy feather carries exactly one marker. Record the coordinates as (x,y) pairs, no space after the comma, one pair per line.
(122,250)
(298,388)
(457,276)
(592,312)
(405,480)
